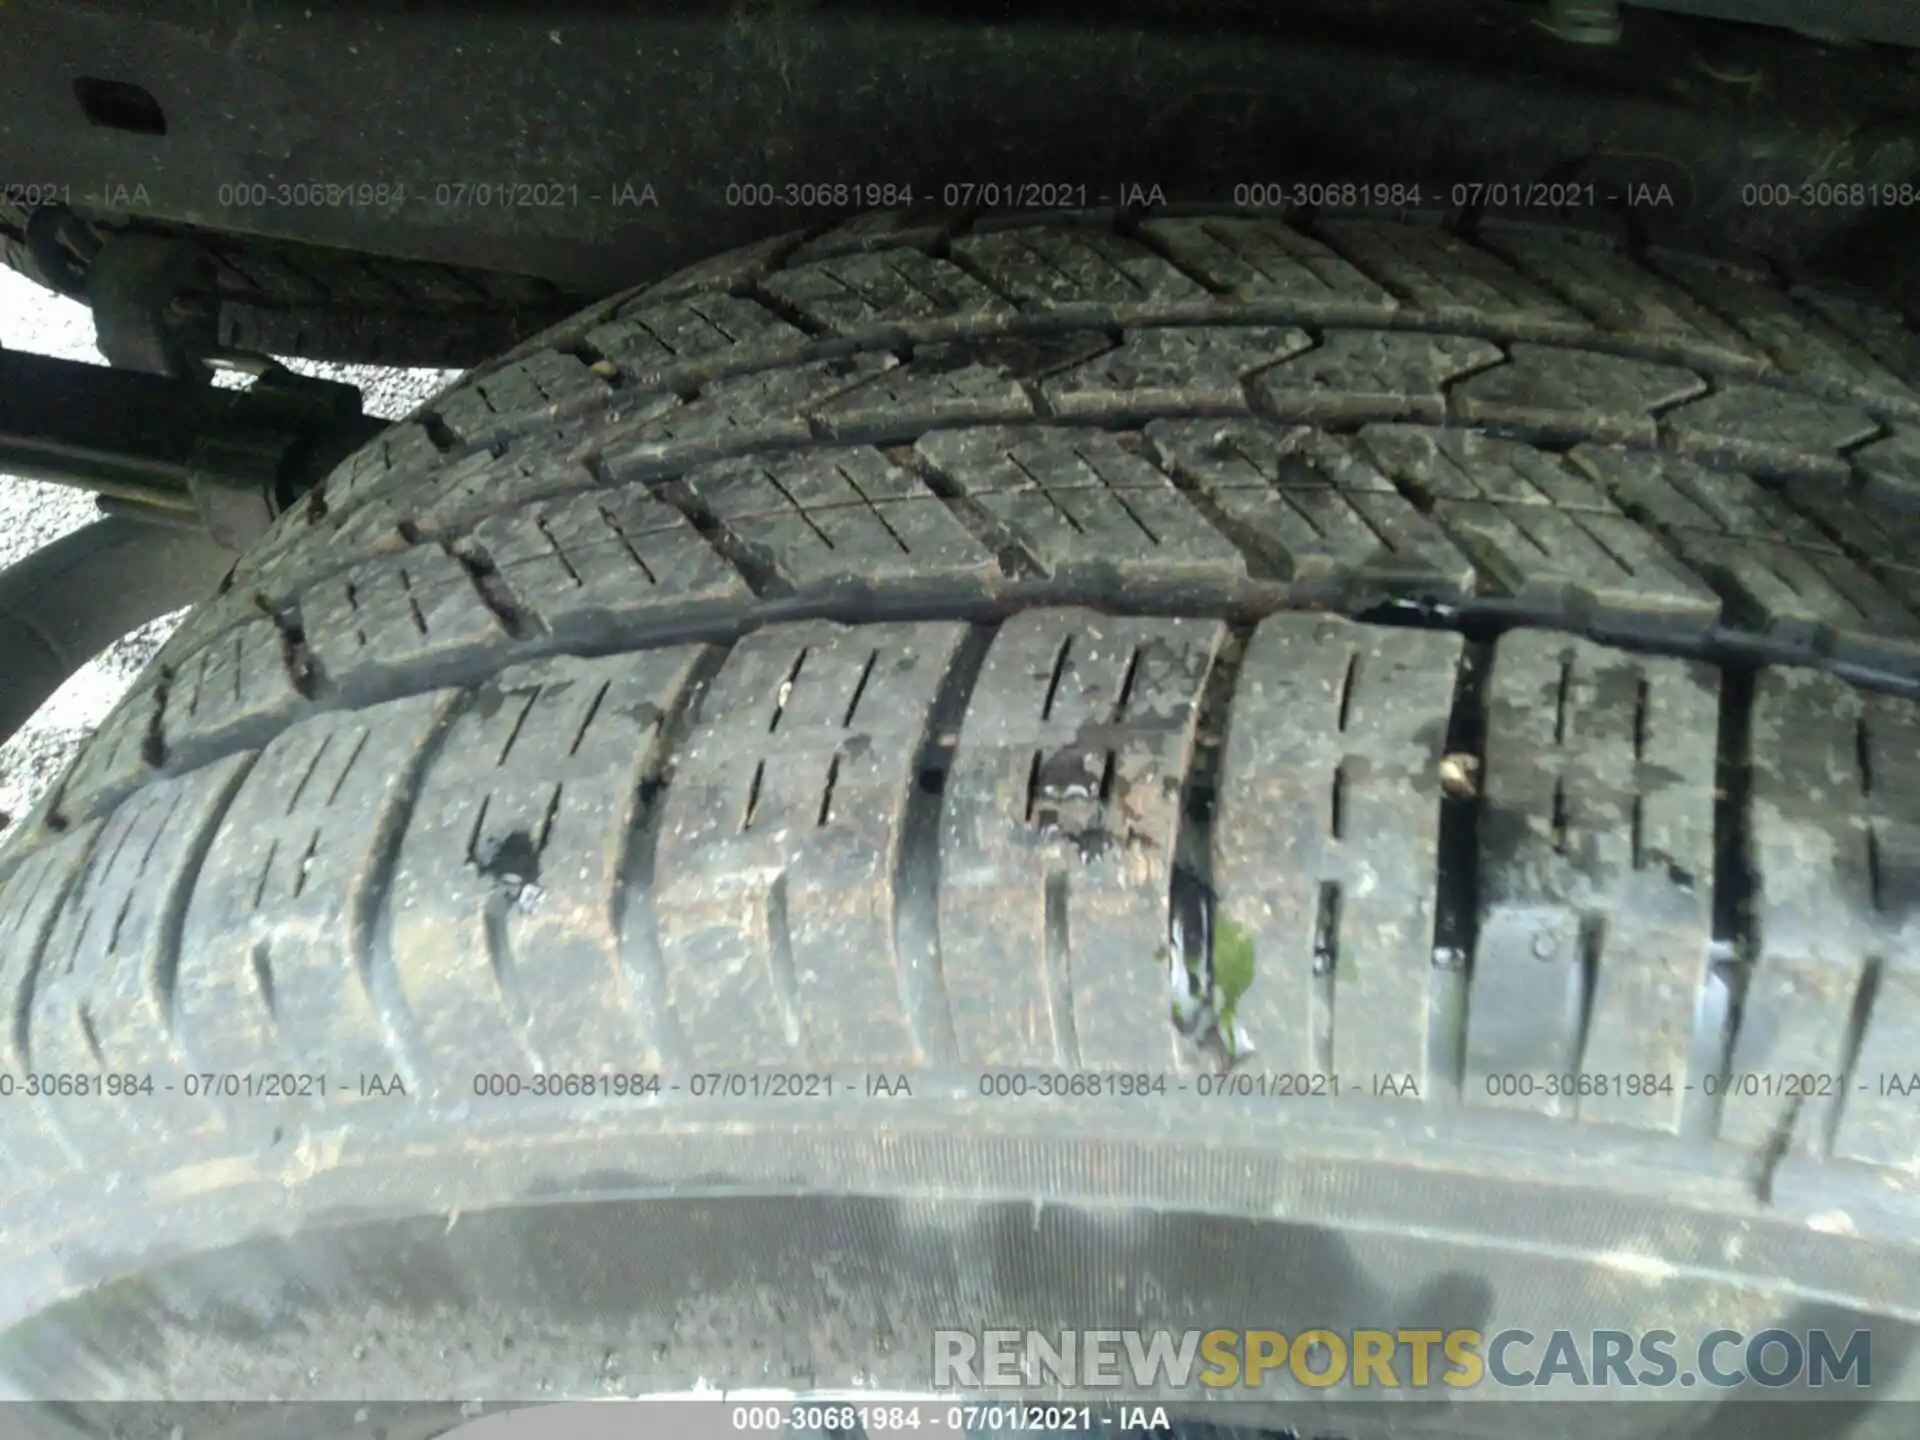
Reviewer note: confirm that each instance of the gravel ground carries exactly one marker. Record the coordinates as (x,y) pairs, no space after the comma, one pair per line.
(31,514)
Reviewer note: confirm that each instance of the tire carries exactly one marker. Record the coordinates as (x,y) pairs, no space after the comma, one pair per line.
(879,654)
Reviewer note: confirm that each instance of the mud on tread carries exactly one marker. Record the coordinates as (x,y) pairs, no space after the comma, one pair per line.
(825,652)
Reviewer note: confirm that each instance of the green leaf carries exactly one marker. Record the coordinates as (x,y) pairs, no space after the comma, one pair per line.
(1232,965)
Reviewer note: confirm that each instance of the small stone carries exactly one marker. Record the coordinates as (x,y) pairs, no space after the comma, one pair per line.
(1460,776)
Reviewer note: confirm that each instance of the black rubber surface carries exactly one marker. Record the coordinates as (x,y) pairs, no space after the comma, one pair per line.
(843,658)
(278,298)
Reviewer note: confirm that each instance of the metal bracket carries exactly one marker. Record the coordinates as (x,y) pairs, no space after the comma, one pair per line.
(132,285)
(229,460)
(236,475)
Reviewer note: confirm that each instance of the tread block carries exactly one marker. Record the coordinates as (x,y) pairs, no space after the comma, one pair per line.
(694,340)
(236,682)
(376,528)
(1622,296)
(1890,470)
(404,450)
(1077,500)
(614,554)
(781,845)
(1775,568)
(1174,370)
(1311,506)
(118,757)
(1266,261)
(1886,546)
(1768,431)
(509,883)
(1830,769)
(490,485)
(1439,274)
(523,393)
(1057,837)
(1876,1125)
(1596,862)
(103,1003)
(277,938)
(1325,843)
(1081,267)
(449,500)
(1539,528)
(973,382)
(1371,375)
(818,517)
(417,608)
(728,271)
(738,414)
(216,615)
(1575,393)
(1797,341)
(877,230)
(864,295)
(1881,332)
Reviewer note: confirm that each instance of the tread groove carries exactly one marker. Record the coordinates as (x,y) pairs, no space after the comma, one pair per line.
(26,987)
(586,721)
(505,975)
(373,905)
(859,689)
(262,962)
(90,1036)
(1736,922)
(1859,1016)
(785,975)
(1191,893)
(153,746)
(171,922)
(635,921)
(917,862)
(1592,949)
(1054,678)
(825,817)
(1456,908)
(759,576)
(306,778)
(1326,963)
(1059,963)
(491,586)
(266,874)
